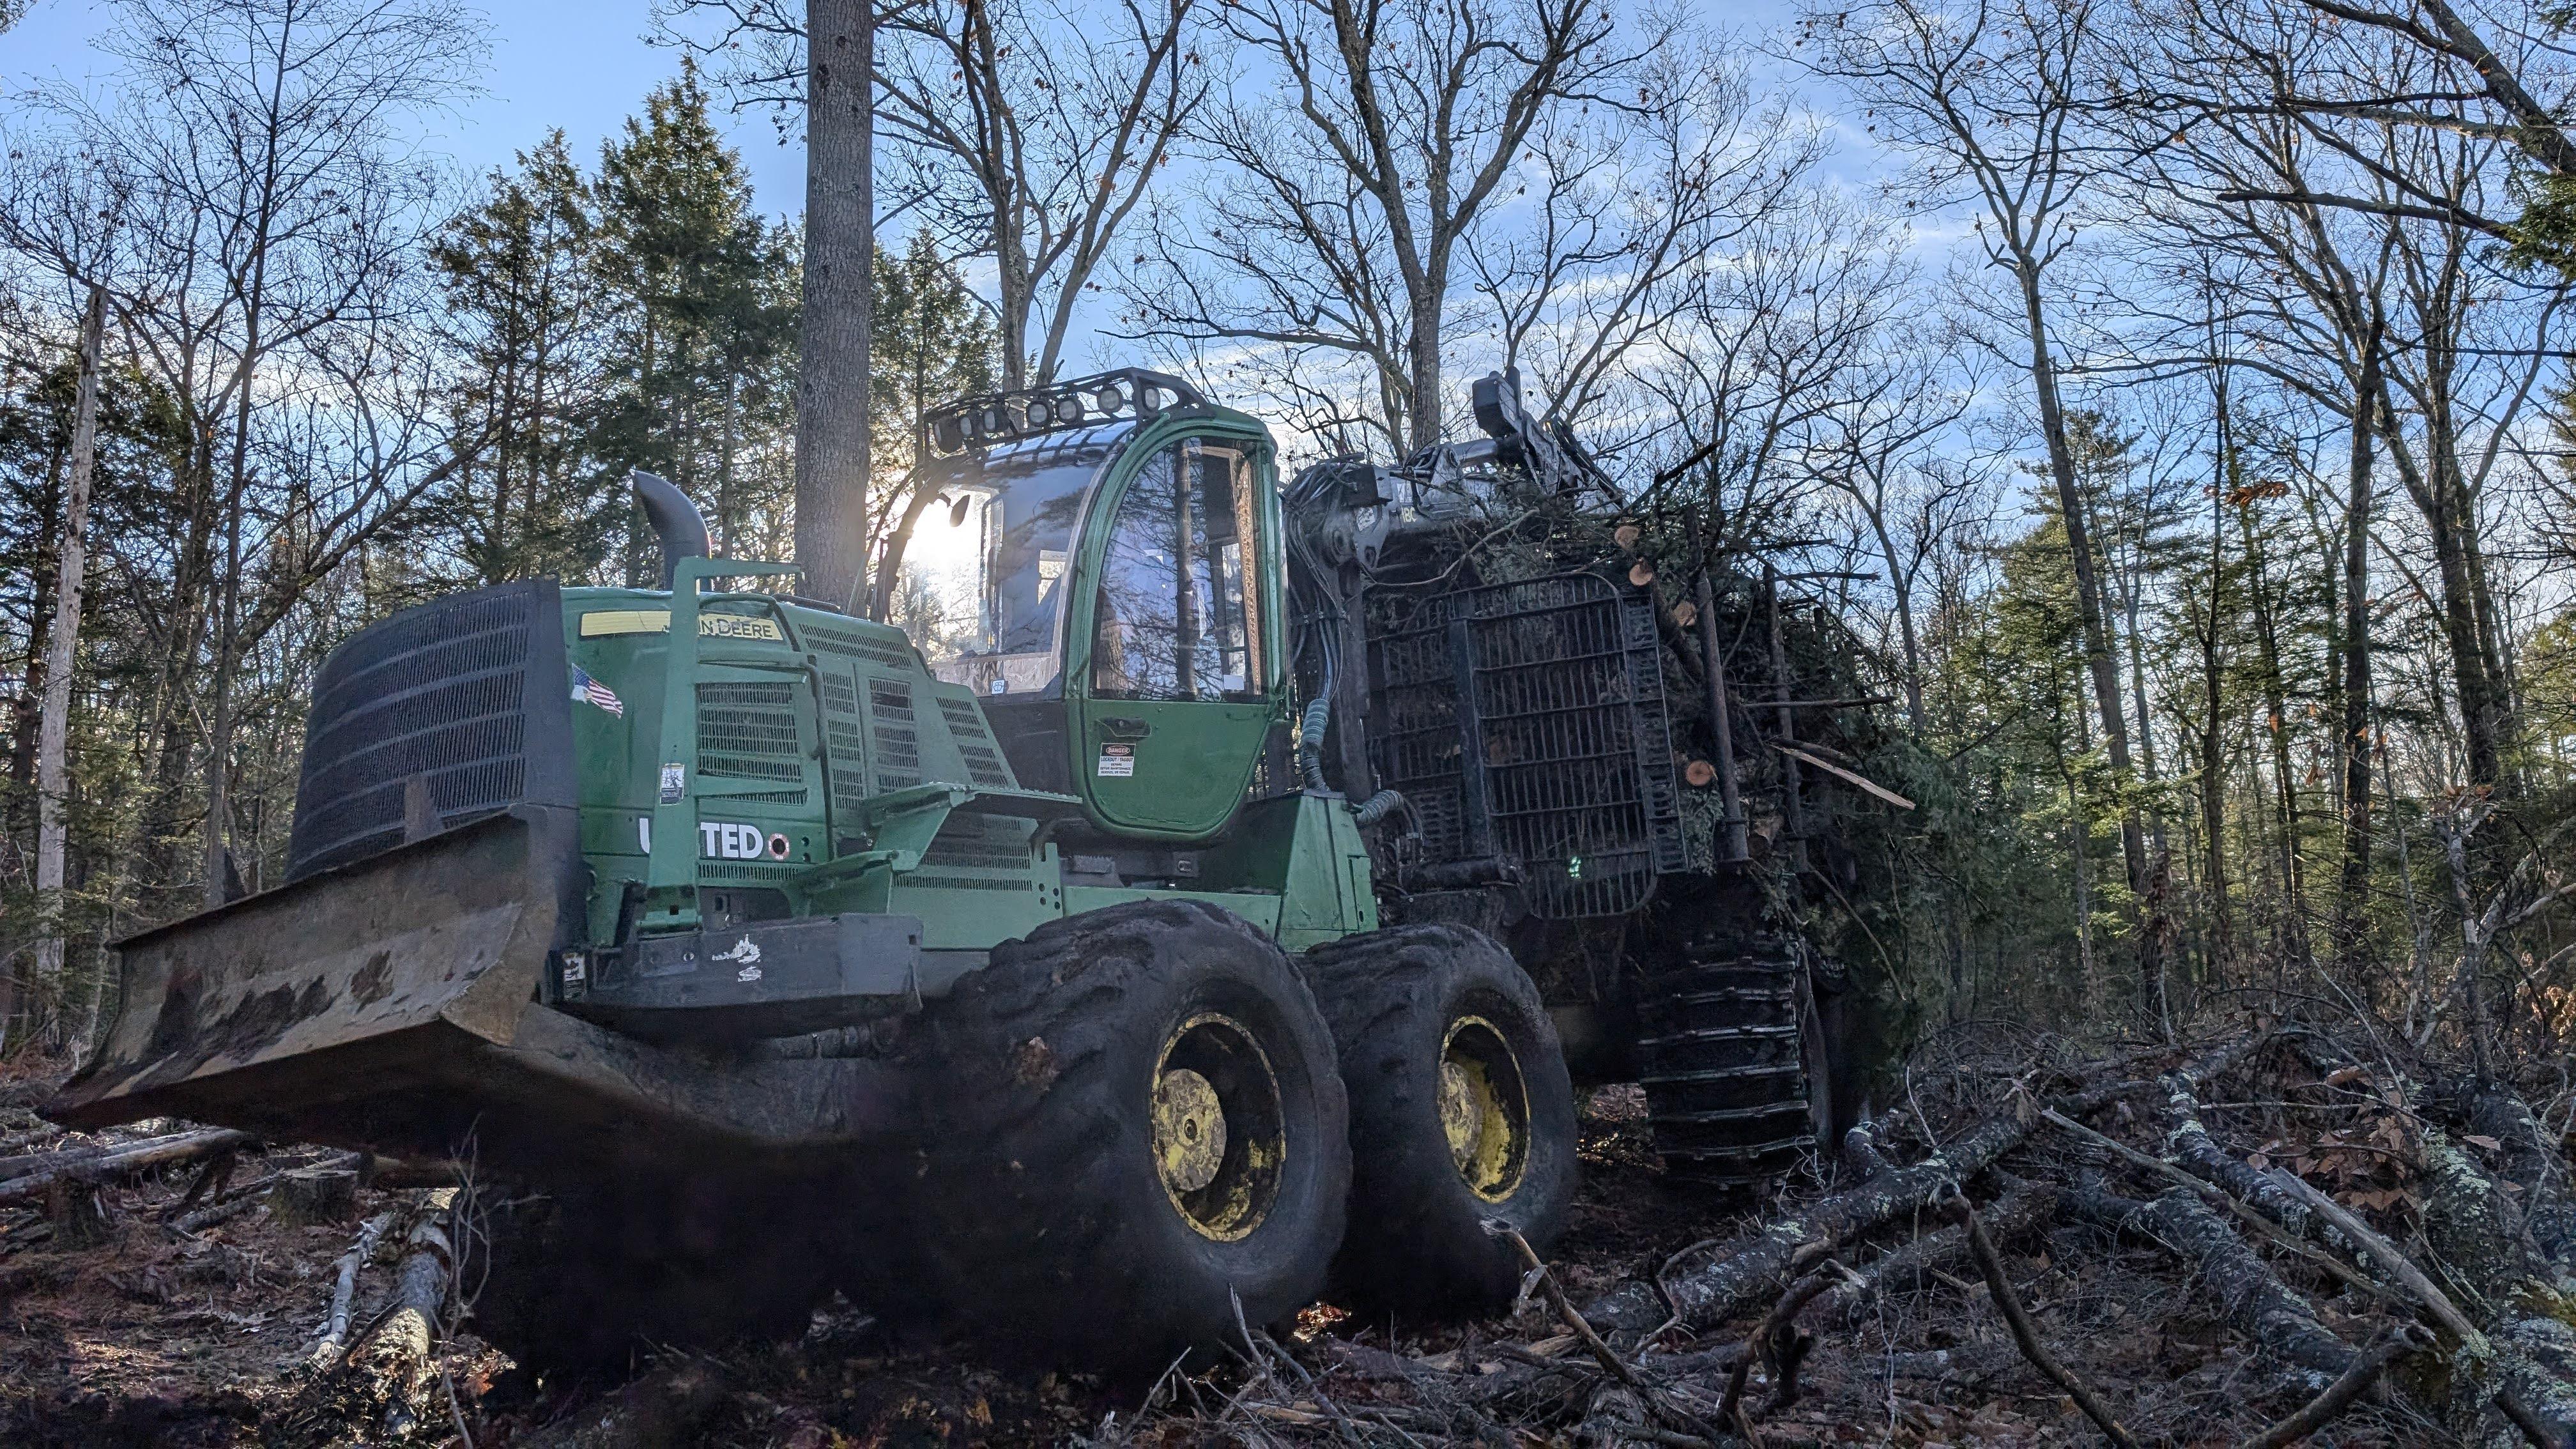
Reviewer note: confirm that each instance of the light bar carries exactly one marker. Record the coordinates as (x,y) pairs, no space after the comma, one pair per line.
(977,423)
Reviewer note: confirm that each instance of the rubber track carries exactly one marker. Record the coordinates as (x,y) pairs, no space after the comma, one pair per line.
(1726,1084)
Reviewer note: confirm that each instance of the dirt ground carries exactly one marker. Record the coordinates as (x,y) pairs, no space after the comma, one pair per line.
(153,1335)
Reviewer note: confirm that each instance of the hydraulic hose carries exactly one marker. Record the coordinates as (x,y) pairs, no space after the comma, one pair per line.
(1310,738)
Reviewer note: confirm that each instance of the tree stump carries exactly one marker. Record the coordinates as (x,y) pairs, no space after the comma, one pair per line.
(73,1207)
(315,1197)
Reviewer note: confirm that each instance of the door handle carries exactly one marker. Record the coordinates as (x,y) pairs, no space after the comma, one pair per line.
(1123,727)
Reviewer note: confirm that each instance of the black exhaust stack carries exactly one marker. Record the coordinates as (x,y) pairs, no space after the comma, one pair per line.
(676,521)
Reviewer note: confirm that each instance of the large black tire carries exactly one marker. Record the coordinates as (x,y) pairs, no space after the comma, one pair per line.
(1733,1060)
(581,1281)
(1410,1007)
(1051,1214)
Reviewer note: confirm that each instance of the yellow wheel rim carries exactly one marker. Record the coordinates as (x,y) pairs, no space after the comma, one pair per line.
(1219,1137)
(1484,1108)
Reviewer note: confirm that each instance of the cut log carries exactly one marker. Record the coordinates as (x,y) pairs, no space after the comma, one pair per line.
(312,1197)
(1711,1294)
(418,1316)
(89,1165)
(396,1173)
(2260,1305)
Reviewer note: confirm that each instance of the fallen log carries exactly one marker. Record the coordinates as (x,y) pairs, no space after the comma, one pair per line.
(1710,1295)
(80,1165)
(344,1289)
(2188,1141)
(2338,1396)
(222,1212)
(2533,1163)
(2261,1306)
(418,1316)
(2023,1207)
(2221,1197)
(2391,1259)
(2477,1233)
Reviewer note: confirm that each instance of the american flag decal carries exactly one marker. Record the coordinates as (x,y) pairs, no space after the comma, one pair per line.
(586,690)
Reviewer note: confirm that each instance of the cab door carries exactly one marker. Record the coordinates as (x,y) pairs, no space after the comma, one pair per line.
(1172,674)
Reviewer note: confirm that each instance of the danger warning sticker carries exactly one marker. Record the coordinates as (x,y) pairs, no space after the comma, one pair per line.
(1117,762)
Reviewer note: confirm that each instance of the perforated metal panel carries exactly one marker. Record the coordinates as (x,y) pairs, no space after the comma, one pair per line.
(975,743)
(846,742)
(470,694)
(1526,721)
(894,730)
(747,731)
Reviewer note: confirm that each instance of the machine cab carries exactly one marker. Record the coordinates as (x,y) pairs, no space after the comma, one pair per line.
(1106,578)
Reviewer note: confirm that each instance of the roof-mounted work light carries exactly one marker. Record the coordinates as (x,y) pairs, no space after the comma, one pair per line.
(978,423)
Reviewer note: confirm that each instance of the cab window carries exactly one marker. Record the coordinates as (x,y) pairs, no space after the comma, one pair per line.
(1177,612)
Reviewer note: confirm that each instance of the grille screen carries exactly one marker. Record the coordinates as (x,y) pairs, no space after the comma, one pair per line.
(470,694)
(895,731)
(856,644)
(747,731)
(844,741)
(983,763)
(1526,720)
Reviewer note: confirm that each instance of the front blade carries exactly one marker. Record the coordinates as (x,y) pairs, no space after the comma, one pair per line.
(344,984)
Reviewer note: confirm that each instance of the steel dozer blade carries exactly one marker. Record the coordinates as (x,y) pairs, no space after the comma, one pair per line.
(391,1004)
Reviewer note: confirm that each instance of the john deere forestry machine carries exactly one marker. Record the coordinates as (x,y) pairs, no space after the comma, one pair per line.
(1032,978)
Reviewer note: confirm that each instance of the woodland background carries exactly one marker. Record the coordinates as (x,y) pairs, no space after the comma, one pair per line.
(2180,386)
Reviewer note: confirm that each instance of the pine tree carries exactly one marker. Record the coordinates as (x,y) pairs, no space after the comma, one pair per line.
(518,278)
(701,291)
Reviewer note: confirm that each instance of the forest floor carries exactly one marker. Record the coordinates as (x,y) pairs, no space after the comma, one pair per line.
(151,1334)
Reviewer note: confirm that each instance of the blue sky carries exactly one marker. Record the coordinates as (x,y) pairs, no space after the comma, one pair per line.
(583,65)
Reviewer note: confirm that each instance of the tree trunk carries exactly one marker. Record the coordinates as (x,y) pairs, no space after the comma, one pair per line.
(2276,707)
(2099,659)
(2351,921)
(832,399)
(53,772)
(1425,348)
(2430,484)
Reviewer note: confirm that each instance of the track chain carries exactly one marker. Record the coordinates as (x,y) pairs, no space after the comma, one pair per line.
(1725,1078)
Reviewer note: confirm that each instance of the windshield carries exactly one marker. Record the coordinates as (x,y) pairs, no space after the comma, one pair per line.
(984,585)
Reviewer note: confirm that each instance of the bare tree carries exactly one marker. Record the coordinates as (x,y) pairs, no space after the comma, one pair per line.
(832,469)
(53,781)
(270,212)
(1348,177)
(1888,450)
(1991,94)
(1622,209)
(1032,137)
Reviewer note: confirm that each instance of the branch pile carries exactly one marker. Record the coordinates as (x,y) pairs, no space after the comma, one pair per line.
(2232,1246)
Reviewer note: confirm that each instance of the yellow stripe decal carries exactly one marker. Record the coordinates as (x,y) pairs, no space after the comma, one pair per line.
(658,621)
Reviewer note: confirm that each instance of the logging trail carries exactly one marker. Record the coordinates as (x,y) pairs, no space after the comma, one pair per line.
(2268,1234)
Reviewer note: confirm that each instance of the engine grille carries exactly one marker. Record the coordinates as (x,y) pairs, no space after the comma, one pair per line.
(1526,721)
(470,694)
(747,731)
(894,734)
